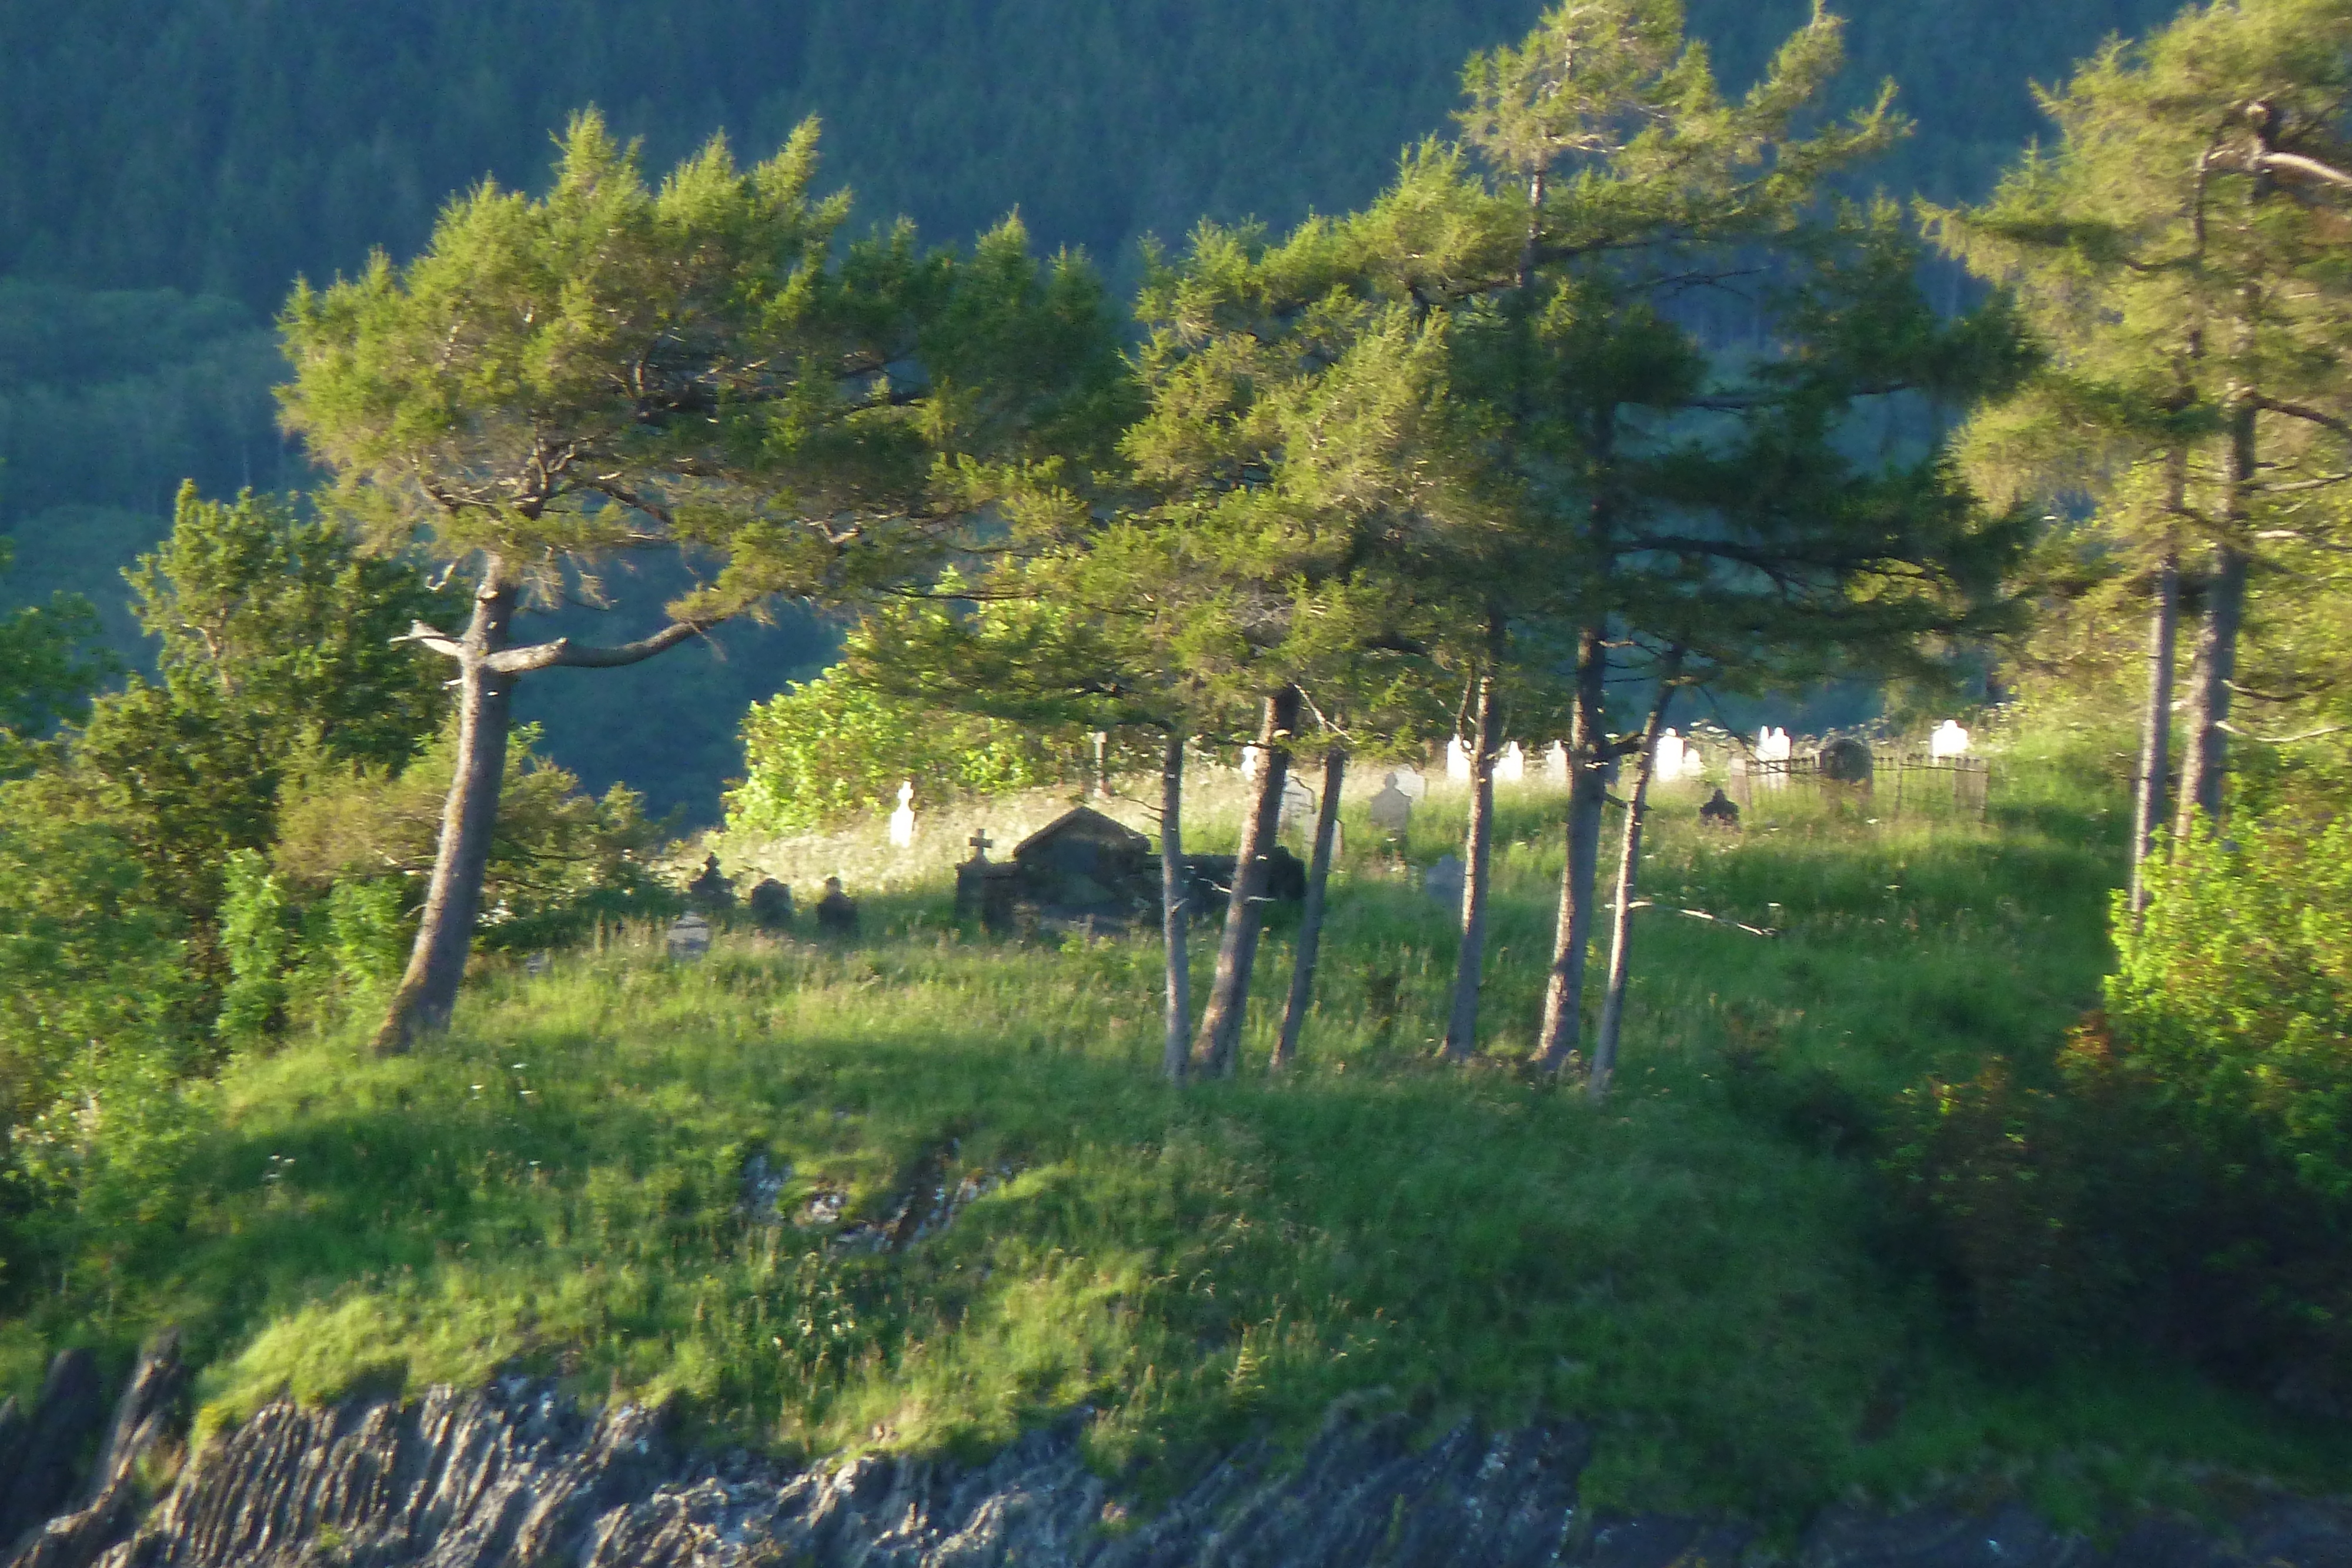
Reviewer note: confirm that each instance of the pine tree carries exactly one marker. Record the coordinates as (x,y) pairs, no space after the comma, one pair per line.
(616,368)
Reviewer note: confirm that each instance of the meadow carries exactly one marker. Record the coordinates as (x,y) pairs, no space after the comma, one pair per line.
(925,1189)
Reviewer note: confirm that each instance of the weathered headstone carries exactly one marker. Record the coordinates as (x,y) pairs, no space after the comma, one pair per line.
(1253,757)
(985,887)
(713,889)
(1297,804)
(1844,760)
(689,939)
(1511,767)
(902,820)
(1413,782)
(1555,765)
(837,911)
(1442,881)
(1390,809)
(771,904)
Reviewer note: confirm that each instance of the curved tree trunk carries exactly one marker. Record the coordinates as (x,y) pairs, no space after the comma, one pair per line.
(453,900)
(1629,869)
(1563,1016)
(1174,889)
(1469,964)
(1216,1050)
(2155,723)
(1310,921)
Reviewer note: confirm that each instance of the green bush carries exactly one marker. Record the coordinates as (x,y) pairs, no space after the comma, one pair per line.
(2181,1174)
(825,748)
(2235,992)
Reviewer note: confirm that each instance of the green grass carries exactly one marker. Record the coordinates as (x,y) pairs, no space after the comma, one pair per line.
(1701,1269)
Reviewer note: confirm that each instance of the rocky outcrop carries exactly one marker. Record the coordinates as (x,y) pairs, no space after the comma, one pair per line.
(511,1476)
(39,1452)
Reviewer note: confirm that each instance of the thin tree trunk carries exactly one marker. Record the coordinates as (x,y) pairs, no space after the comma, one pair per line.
(1216,1048)
(2205,759)
(1629,866)
(1564,1016)
(1462,1019)
(453,900)
(2155,723)
(1174,889)
(1310,921)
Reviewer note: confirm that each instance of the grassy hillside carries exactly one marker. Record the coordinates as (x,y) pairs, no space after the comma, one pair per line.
(985,1211)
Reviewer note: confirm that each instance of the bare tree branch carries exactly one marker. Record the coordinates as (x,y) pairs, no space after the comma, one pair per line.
(564,653)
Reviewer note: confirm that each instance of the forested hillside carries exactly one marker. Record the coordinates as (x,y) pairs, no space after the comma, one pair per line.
(191,160)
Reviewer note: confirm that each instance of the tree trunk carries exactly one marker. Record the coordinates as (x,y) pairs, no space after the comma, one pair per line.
(1310,921)
(1629,866)
(1564,1016)
(1216,1050)
(1174,889)
(2205,760)
(453,900)
(1462,1020)
(2155,723)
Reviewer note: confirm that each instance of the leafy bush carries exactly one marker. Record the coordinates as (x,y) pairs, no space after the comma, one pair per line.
(2183,1174)
(822,749)
(2236,992)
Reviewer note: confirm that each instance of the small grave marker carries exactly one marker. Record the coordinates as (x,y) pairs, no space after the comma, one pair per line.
(902,820)
(1442,881)
(689,939)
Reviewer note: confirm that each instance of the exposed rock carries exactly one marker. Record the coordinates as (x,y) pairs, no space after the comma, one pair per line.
(109,1505)
(510,1476)
(41,1453)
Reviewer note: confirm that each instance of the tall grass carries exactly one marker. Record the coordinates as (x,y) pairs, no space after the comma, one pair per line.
(1699,1268)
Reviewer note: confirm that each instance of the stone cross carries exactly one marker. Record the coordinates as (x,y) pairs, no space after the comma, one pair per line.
(980,844)
(902,820)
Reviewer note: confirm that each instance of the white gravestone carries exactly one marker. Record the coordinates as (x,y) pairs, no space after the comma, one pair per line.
(1949,740)
(902,820)
(1511,767)
(1458,760)
(1442,881)
(1251,757)
(689,939)
(1390,809)
(1555,764)
(1413,782)
(1668,766)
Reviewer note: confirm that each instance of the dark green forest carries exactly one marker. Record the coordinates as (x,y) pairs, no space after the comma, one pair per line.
(166,171)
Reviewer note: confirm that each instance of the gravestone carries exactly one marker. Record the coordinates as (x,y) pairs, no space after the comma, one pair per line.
(902,820)
(1844,760)
(771,904)
(1511,767)
(837,911)
(689,939)
(985,887)
(536,965)
(1253,757)
(713,890)
(1555,765)
(1442,881)
(1667,768)
(1949,740)
(1413,782)
(1297,805)
(1457,759)
(1086,867)
(1390,809)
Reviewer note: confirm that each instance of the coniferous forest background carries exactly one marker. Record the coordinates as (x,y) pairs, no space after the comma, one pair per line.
(167,171)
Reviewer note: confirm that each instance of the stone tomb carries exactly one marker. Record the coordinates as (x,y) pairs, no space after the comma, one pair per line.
(1082,869)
